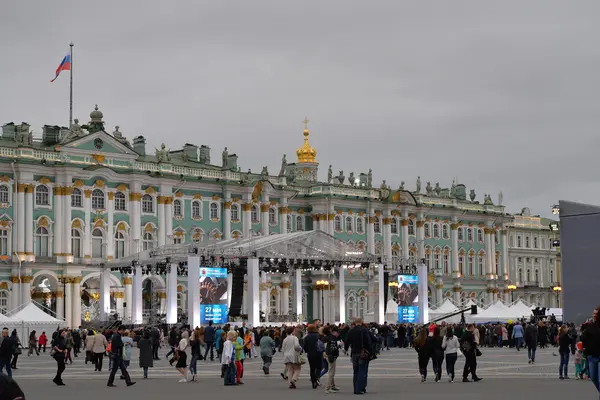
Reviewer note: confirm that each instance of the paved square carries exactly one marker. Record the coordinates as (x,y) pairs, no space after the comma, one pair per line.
(506,374)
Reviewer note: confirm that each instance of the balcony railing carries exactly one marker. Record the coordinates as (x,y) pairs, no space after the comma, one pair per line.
(531,284)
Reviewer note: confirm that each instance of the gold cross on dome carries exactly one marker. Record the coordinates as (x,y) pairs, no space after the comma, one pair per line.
(305,122)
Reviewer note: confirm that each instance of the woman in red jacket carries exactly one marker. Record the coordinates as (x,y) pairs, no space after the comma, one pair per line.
(42,342)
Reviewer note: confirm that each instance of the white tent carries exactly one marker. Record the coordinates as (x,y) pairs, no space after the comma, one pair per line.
(4,318)
(520,310)
(391,312)
(31,318)
(497,312)
(447,307)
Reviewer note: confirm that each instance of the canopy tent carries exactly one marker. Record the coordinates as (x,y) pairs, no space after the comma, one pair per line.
(496,312)
(391,312)
(520,309)
(4,318)
(29,317)
(310,245)
(447,307)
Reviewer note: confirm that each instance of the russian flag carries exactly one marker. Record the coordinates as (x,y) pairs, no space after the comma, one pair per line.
(65,65)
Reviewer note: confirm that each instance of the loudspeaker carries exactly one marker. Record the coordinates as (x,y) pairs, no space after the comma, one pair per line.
(386,279)
(237,292)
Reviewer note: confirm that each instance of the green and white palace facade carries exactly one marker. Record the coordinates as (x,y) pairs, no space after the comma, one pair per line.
(79,197)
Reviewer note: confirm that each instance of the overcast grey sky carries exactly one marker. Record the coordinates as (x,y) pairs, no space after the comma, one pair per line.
(501,94)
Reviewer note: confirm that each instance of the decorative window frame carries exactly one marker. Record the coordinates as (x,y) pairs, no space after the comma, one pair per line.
(393,223)
(154,204)
(427,230)
(236,234)
(181,216)
(480,236)
(273,211)
(362,230)
(50,197)
(198,235)
(126,241)
(300,218)
(436,227)
(481,263)
(470,235)
(338,224)
(352,226)
(201,208)
(105,200)
(178,233)
(377,223)
(82,196)
(6,225)
(255,221)
(411,224)
(238,209)
(218,205)
(9,194)
(460,234)
(215,235)
(445,231)
(103,245)
(125,195)
(49,226)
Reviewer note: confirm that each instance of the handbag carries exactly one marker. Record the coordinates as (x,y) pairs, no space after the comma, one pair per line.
(17,351)
(301,358)
(364,353)
(478,353)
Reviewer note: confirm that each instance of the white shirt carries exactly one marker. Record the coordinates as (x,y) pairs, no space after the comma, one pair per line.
(450,345)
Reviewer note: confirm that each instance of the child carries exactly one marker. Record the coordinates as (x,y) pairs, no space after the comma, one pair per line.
(580,361)
(239,359)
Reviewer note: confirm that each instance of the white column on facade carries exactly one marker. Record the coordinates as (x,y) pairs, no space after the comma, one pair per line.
(253,293)
(68,302)
(15,295)
(137,301)
(128,303)
(298,294)
(420,238)
(247,219)
(285,294)
(163,302)
(454,254)
(60,304)
(245,298)
(67,245)
(87,232)
(370,233)
(227,219)
(422,299)
(119,299)
(26,279)
(105,294)
(194,291)
(169,219)
(76,306)
(381,294)
(342,293)
(136,218)
(19,206)
(58,227)
(489,263)
(387,240)
(29,224)
(160,209)
(405,247)
(264,211)
(172,294)
(505,259)
(316,303)
(229,288)
(331,221)
(264,294)
(110,234)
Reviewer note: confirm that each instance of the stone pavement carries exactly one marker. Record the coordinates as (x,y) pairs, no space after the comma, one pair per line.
(506,374)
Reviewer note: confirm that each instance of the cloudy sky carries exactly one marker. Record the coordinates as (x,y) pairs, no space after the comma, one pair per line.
(503,95)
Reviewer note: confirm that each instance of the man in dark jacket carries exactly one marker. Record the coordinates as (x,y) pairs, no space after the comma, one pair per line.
(469,349)
(116,354)
(7,348)
(9,390)
(359,339)
(209,339)
(155,336)
(591,344)
(531,340)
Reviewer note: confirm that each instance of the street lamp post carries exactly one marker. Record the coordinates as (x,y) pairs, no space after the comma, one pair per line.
(512,289)
(557,289)
(321,285)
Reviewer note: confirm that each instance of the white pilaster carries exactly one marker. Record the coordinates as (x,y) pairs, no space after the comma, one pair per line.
(247,219)
(285,294)
(420,238)
(253,293)
(194,291)
(105,294)
(67,245)
(264,217)
(119,299)
(110,229)
(136,219)
(169,219)
(264,294)
(20,222)
(316,296)
(370,233)
(342,293)
(172,294)
(227,220)
(229,288)
(405,252)
(387,240)
(161,220)
(128,303)
(29,224)
(381,294)
(298,296)
(137,302)
(331,221)
(76,302)
(68,302)
(26,288)
(422,283)
(283,215)
(60,304)
(505,260)
(454,254)
(58,226)
(87,232)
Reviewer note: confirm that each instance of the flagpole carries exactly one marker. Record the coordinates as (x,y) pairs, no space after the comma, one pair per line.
(71,88)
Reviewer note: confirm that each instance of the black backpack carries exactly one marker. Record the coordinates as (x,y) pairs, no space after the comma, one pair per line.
(332,350)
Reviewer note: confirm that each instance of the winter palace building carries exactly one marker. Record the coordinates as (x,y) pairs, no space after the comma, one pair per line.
(80,196)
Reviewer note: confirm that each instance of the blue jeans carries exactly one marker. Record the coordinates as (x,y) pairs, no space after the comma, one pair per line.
(518,342)
(531,352)
(359,374)
(6,364)
(145,372)
(594,370)
(564,363)
(324,368)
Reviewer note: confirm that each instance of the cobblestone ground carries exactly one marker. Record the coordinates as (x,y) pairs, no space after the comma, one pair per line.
(506,374)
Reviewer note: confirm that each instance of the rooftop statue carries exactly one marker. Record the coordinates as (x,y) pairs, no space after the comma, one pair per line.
(264,175)
(437,189)
(351,179)
(500,198)
(162,155)
(283,166)
(225,157)
(472,195)
(120,138)
(383,185)
(245,177)
(453,189)
(370,178)
(329,174)
(401,186)
(429,188)
(291,178)
(487,200)
(341,177)
(418,190)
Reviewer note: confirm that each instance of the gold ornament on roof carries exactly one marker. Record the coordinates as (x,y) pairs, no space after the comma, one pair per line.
(306,153)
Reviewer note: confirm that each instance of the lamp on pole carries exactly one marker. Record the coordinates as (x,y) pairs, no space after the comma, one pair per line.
(321,285)
(557,289)
(512,289)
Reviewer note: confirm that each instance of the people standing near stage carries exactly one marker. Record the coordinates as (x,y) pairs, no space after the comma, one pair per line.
(517,335)
(209,339)
(99,346)
(531,341)
(146,346)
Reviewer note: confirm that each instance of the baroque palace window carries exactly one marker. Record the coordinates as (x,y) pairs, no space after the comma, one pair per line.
(120,201)
(147,204)
(98,199)
(4,250)
(42,239)
(4,194)
(76,199)
(411,227)
(41,195)
(360,225)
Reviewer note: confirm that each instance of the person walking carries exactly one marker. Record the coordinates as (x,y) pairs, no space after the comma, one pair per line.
(98,349)
(195,342)
(17,349)
(531,341)
(517,335)
(423,354)
(437,352)
(116,355)
(359,341)
(564,350)
(33,344)
(181,355)
(267,350)
(146,346)
(7,348)
(42,342)
(59,347)
(591,343)
(155,337)
(313,349)
(332,352)
(291,356)
(469,349)
(209,339)
(450,345)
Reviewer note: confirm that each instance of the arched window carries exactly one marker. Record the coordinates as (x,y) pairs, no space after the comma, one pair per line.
(511,241)
(98,199)
(527,242)
(551,276)
(470,235)
(214,211)
(119,245)
(535,242)
(445,231)
(147,241)
(147,204)
(436,230)
(528,275)
(272,216)
(362,302)
(359,225)
(42,239)
(41,195)
(519,241)
(76,243)
(461,234)
(350,305)
(461,264)
(4,250)
(537,276)
(481,264)
(3,302)
(349,224)
(337,223)
(446,263)
(520,275)
(377,225)
(427,229)
(254,214)
(394,227)
(97,247)
(299,223)
(436,260)
(235,212)
(120,201)
(471,265)
(4,194)
(480,235)
(196,209)
(411,227)
(76,199)
(177,208)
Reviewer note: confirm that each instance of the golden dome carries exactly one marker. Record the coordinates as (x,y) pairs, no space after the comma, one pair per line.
(306,153)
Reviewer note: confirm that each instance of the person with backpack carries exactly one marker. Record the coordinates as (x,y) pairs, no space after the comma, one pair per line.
(332,352)
(314,348)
